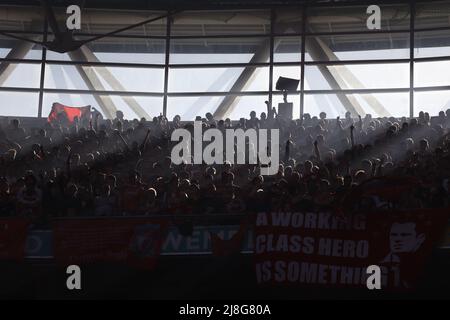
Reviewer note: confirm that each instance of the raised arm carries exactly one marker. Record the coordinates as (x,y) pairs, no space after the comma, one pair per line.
(124,141)
(14,145)
(68,170)
(352,135)
(42,151)
(144,143)
(316,150)
(360,124)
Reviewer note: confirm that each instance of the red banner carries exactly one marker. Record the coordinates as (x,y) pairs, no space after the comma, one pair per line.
(13,235)
(134,241)
(227,247)
(69,112)
(325,249)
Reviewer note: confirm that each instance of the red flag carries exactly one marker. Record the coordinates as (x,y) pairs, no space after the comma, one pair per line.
(69,112)
(13,235)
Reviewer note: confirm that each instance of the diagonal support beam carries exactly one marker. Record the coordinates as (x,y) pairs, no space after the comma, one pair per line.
(115,84)
(18,52)
(342,76)
(229,102)
(93,83)
(315,47)
(200,103)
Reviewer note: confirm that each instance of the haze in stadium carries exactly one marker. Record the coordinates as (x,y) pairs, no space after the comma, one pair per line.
(234,150)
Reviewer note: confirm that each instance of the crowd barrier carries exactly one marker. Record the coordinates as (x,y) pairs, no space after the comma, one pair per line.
(39,243)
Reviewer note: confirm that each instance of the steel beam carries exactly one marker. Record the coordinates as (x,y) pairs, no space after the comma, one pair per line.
(115,84)
(344,77)
(93,83)
(318,52)
(229,102)
(18,52)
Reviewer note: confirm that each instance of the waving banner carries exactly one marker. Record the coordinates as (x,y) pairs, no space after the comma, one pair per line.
(69,113)
(325,249)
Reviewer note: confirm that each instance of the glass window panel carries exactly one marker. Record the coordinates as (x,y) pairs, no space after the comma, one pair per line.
(121,50)
(153,106)
(432,44)
(288,20)
(190,107)
(123,79)
(370,76)
(314,104)
(431,101)
(219,50)
(133,79)
(216,79)
(246,104)
(358,47)
(19,104)
(221,22)
(432,14)
(287,49)
(259,81)
(63,77)
(8,43)
(23,75)
(436,73)
(354,18)
(393,104)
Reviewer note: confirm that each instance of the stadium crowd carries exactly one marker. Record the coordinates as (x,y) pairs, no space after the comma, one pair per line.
(101,167)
